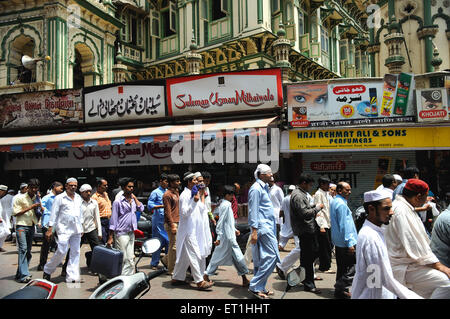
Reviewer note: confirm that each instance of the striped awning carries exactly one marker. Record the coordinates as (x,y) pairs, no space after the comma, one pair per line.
(157,134)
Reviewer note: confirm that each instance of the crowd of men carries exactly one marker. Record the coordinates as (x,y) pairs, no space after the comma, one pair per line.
(388,249)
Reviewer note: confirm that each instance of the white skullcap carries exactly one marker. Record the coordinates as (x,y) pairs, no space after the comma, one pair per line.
(373,196)
(23,185)
(85,187)
(291,187)
(197,174)
(71,180)
(3,188)
(398,177)
(188,175)
(332,185)
(263,169)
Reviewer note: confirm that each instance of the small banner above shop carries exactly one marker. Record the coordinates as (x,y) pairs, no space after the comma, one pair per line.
(432,105)
(124,102)
(363,139)
(225,92)
(41,109)
(351,103)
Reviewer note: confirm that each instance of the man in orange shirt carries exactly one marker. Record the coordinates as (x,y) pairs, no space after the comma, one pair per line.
(104,206)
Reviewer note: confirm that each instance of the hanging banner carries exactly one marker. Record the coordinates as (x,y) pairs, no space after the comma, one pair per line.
(124,102)
(348,103)
(40,109)
(87,157)
(225,92)
(432,105)
(363,139)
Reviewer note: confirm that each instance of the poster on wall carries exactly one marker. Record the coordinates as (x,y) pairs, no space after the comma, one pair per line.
(350,103)
(124,102)
(225,92)
(432,105)
(40,109)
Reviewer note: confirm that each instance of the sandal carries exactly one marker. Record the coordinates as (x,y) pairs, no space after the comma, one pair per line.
(259,294)
(205,285)
(269,293)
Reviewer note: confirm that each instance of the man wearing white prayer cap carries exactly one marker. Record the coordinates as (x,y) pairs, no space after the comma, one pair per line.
(261,219)
(374,278)
(193,243)
(67,219)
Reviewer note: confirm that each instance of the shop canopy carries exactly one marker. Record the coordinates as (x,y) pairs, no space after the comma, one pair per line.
(156,134)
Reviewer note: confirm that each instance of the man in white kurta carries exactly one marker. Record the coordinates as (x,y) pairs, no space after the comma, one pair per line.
(67,219)
(5,215)
(413,263)
(194,240)
(286,229)
(373,277)
(323,221)
(227,250)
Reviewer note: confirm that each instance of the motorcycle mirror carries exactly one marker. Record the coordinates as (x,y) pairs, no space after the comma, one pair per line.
(151,245)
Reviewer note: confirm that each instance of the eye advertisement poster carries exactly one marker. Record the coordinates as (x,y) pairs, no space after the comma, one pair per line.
(432,105)
(348,103)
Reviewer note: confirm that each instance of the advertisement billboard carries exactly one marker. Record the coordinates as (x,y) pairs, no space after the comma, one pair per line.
(41,109)
(124,102)
(432,105)
(225,92)
(351,103)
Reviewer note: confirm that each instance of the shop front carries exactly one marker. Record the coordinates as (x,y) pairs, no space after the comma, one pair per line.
(359,130)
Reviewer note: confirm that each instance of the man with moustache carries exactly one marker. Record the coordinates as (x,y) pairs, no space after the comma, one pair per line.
(24,209)
(104,206)
(67,218)
(413,262)
(374,278)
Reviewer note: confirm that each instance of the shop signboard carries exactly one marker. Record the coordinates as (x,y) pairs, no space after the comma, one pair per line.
(364,139)
(225,92)
(351,103)
(124,102)
(41,109)
(91,157)
(432,105)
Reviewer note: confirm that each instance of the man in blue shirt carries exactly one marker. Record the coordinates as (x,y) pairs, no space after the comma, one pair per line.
(408,173)
(155,202)
(263,237)
(344,236)
(47,202)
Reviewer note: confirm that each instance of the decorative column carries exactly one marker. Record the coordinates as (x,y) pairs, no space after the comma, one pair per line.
(394,41)
(281,48)
(193,58)
(57,40)
(428,32)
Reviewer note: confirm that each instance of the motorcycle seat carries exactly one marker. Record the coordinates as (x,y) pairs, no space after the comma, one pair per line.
(30,292)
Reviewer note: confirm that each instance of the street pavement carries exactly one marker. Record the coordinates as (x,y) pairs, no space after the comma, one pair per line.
(227,282)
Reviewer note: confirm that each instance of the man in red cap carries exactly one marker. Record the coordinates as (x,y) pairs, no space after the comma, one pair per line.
(413,263)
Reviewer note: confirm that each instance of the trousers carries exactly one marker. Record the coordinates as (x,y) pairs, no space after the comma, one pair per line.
(66,241)
(125,243)
(170,258)
(309,251)
(189,258)
(345,269)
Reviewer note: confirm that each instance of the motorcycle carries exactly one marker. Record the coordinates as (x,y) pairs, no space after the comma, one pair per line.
(35,289)
(134,286)
(142,233)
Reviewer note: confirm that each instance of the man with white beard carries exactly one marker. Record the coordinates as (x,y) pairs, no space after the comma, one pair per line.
(193,236)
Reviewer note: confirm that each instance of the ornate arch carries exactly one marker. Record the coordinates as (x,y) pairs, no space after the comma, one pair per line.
(441,15)
(18,30)
(85,39)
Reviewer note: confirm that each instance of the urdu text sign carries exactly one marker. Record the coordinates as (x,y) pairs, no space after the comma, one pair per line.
(380,138)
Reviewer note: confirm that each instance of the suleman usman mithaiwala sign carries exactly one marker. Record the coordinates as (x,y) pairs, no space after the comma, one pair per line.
(225,92)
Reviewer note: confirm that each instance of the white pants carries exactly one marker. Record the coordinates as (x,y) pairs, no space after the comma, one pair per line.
(2,240)
(283,241)
(125,243)
(424,280)
(291,258)
(189,258)
(65,242)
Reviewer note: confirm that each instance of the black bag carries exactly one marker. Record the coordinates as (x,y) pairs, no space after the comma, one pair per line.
(106,261)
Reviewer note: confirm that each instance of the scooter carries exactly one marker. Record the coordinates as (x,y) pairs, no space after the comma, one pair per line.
(134,286)
(35,289)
